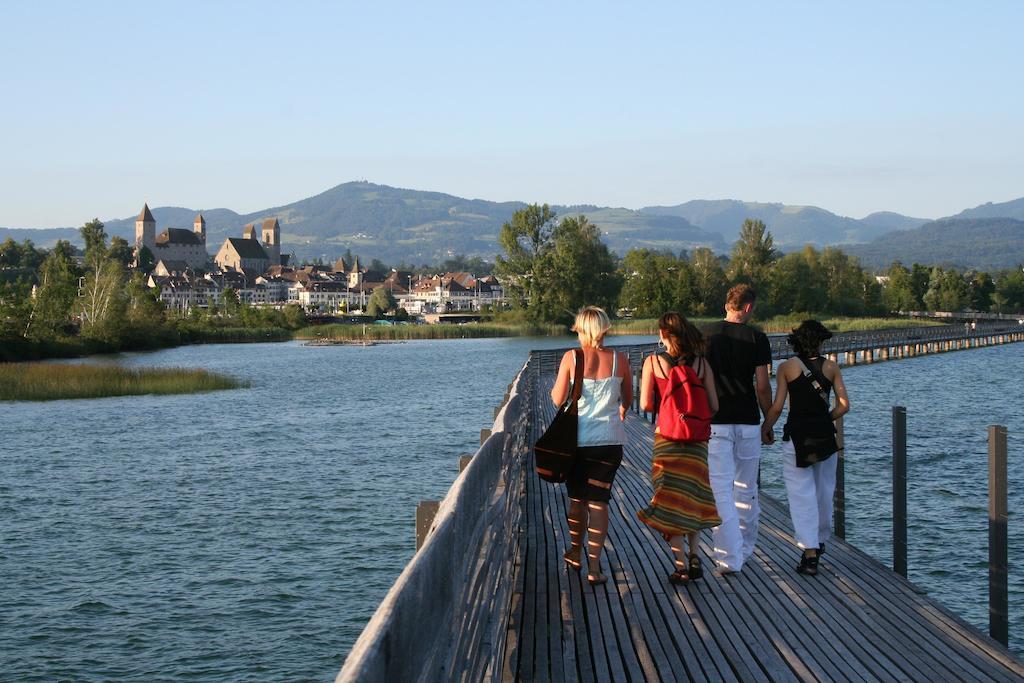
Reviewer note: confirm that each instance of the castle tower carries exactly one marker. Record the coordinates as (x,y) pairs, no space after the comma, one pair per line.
(199,227)
(272,240)
(145,230)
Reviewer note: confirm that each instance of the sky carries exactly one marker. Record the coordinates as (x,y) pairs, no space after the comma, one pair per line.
(913,107)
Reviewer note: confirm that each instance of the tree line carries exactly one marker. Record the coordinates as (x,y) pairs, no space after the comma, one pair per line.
(551,267)
(65,302)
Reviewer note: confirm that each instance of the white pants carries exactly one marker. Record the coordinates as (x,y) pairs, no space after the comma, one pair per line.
(734,456)
(810,491)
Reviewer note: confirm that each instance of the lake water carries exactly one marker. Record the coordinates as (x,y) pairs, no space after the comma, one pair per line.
(250,534)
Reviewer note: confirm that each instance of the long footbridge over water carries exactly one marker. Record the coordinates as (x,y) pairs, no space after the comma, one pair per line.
(487,596)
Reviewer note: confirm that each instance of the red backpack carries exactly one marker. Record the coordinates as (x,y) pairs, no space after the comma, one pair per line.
(683,413)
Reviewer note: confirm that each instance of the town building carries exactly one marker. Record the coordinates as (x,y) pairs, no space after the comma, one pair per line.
(173,244)
(248,254)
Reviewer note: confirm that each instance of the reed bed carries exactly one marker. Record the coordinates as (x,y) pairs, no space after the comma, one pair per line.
(442,331)
(51,382)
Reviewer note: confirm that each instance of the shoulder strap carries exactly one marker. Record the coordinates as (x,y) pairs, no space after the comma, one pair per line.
(813,380)
(577,378)
(655,364)
(615,361)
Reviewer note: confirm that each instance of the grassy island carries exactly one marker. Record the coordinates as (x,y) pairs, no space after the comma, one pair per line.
(51,382)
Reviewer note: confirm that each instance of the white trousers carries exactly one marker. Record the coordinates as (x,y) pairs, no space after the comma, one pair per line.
(809,490)
(734,456)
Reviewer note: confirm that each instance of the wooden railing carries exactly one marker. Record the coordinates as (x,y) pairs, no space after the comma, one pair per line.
(448,610)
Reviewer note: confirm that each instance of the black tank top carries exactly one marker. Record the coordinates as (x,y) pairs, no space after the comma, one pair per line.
(804,400)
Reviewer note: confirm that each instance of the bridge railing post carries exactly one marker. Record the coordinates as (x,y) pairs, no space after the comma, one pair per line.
(899,490)
(839,497)
(998,608)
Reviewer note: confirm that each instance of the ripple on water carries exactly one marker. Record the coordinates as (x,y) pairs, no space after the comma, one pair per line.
(249,535)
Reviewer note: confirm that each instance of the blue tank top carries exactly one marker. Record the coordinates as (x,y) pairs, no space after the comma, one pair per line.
(599,422)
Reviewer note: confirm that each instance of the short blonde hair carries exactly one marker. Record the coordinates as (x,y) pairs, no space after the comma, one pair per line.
(591,324)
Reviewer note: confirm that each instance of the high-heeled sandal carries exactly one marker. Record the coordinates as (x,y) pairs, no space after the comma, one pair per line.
(679,578)
(808,564)
(597,579)
(696,571)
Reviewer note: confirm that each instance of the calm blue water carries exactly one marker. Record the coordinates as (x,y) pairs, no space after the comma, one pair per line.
(250,534)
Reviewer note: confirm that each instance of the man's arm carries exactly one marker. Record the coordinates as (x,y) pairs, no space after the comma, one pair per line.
(763,388)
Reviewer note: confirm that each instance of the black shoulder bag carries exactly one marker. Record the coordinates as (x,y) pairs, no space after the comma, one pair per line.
(813,440)
(555,450)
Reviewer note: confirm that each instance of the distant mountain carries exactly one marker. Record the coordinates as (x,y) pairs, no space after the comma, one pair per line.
(393,224)
(791,226)
(1011,209)
(982,243)
(43,238)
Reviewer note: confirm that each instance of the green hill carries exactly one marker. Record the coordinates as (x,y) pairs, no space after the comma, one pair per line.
(1011,209)
(791,226)
(394,224)
(982,243)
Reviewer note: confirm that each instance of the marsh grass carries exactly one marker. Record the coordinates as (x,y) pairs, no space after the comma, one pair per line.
(442,331)
(51,382)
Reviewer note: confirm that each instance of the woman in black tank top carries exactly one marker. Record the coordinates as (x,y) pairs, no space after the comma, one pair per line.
(809,437)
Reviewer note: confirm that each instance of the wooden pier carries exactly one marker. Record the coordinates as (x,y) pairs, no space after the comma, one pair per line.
(488,597)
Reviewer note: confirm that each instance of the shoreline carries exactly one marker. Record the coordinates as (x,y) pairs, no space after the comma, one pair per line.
(22,351)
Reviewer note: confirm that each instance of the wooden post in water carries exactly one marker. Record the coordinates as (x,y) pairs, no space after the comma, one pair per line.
(425,513)
(839,497)
(998,608)
(899,490)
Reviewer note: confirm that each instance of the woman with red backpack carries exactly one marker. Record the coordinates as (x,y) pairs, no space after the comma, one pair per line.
(680,385)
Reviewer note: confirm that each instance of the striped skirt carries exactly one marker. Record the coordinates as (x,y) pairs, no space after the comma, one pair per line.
(683,501)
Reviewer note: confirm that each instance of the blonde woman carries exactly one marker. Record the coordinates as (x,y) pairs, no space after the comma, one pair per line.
(607,392)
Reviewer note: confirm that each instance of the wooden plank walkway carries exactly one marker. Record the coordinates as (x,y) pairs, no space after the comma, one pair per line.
(856,621)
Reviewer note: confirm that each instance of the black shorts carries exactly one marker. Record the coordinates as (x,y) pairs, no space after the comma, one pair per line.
(594,465)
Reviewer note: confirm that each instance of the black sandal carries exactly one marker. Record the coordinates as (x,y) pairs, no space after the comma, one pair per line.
(808,564)
(679,578)
(696,571)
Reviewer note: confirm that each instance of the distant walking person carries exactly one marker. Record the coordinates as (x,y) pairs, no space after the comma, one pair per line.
(607,392)
(682,504)
(741,358)
(809,438)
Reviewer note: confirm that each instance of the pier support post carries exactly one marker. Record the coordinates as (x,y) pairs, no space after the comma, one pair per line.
(484,435)
(998,608)
(899,490)
(839,497)
(425,513)
(464,461)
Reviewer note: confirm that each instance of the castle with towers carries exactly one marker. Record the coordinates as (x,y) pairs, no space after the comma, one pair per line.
(178,248)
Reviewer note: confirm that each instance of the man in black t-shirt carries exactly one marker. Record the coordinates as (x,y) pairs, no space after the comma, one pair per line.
(741,358)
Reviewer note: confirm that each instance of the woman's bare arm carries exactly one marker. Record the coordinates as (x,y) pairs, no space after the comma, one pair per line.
(560,391)
(647,385)
(627,385)
(842,406)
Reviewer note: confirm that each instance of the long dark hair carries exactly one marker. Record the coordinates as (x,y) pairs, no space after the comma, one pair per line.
(682,337)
